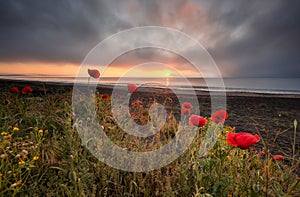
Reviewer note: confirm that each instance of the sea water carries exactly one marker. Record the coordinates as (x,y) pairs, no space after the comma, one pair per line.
(251,85)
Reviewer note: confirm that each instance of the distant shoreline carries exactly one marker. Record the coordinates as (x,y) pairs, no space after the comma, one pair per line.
(51,85)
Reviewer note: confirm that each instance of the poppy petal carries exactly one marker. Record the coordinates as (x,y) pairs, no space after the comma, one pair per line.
(230,138)
(132,88)
(94,73)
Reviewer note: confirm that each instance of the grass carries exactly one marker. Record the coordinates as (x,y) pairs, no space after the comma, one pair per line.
(42,155)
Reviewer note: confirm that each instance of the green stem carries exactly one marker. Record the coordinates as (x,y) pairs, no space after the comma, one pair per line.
(294,143)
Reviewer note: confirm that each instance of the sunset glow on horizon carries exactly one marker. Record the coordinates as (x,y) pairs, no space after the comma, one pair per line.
(39,68)
(69,69)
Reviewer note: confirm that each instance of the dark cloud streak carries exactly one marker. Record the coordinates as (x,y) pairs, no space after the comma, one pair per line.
(49,30)
(269,45)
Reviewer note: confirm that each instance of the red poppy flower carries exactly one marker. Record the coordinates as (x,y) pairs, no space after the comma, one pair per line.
(262,153)
(185,111)
(220,116)
(150,99)
(242,140)
(14,90)
(132,116)
(197,121)
(139,102)
(187,105)
(286,166)
(94,73)
(132,88)
(278,157)
(297,166)
(26,90)
(133,104)
(105,96)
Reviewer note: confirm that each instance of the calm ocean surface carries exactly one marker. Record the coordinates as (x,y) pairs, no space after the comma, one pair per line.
(254,85)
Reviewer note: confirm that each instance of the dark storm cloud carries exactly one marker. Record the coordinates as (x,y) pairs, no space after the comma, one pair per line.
(66,30)
(50,30)
(258,38)
(245,38)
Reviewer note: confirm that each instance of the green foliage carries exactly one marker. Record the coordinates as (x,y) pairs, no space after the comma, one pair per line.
(42,155)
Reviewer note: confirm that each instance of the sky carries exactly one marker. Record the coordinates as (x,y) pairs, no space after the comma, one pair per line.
(245,38)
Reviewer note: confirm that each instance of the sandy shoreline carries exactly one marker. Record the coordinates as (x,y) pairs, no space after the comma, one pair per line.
(266,114)
(49,86)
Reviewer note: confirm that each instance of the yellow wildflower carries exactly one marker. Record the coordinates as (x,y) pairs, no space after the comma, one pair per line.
(220,136)
(21,162)
(40,131)
(4,133)
(35,158)
(16,129)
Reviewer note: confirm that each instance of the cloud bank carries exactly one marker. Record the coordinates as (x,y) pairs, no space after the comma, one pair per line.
(245,38)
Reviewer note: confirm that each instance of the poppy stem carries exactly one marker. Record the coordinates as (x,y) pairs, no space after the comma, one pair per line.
(267,173)
(294,143)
